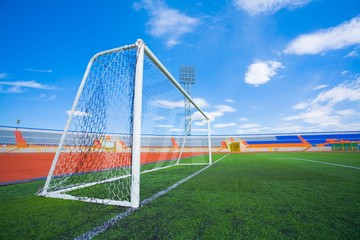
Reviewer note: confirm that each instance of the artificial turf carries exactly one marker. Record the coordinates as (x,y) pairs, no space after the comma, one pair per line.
(243,196)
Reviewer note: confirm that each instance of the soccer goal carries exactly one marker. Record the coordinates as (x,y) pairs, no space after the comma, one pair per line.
(128,118)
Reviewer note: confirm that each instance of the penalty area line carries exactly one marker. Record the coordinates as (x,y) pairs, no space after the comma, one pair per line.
(106,225)
(327,163)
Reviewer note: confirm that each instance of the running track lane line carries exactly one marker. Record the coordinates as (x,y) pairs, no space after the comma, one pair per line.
(333,164)
(96,231)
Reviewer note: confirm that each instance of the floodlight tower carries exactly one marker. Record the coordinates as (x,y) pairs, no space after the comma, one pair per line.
(187,78)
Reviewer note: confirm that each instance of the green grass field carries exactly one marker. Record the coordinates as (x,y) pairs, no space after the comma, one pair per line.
(243,196)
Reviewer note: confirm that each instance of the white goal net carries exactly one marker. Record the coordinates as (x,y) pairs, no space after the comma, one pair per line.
(128,118)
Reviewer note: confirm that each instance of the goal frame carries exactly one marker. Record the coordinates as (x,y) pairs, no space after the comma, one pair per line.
(142,49)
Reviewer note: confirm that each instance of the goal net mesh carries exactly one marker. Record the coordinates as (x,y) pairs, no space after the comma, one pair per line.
(94,159)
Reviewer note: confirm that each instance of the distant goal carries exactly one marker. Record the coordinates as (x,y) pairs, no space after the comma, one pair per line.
(128,118)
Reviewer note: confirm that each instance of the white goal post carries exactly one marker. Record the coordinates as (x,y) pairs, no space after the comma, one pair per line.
(127,118)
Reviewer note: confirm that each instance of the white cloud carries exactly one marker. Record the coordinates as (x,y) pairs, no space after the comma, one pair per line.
(171,104)
(300,106)
(229,100)
(197,116)
(39,70)
(27,84)
(49,98)
(164,126)
(343,92)
(256,129)
(200,123)
(291,128)
(3,75)
(79,113)
(21,86)
(11,89)
(249,125)
(167,23)
(322,111)
(352,54)
(202,130)
(225,108)
(201,103)
(43,97)
(260,72)
(224,125)
(320,115)
(219,111)
(243,119)
(255,7)
(159,118)
(320,87)
(346,112)
(177,130)
(338,37)
(343,73)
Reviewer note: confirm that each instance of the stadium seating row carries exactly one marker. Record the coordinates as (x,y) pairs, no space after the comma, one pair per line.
(52,138)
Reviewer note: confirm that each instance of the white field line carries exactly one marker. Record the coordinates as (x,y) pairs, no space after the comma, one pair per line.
(156,169)
(327,163)
(102,228)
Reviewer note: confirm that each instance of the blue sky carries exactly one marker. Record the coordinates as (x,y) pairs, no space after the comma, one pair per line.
(262,66)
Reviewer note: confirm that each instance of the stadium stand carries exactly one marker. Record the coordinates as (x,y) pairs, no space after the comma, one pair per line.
(51,138)
(316,139)
(7,137)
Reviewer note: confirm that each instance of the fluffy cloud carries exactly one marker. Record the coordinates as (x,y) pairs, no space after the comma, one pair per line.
(39,70)
(201,103)
(348,91)
(268,6)
(20,86)
(165,22)
(79,113)
(300,106)
(27,84)
(320,87)
(11,89)
(320,115)
(322,111)
(249,125)
(170,104)
(346,112)
(352,54)
(3,75)
(42,97)
(260,72)
(291,128)
(224,125)
(225,108)
(219,111)
(252,128)
(344,35)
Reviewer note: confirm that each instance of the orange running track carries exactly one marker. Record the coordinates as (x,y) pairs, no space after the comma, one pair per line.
(18,167)
(24,166)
